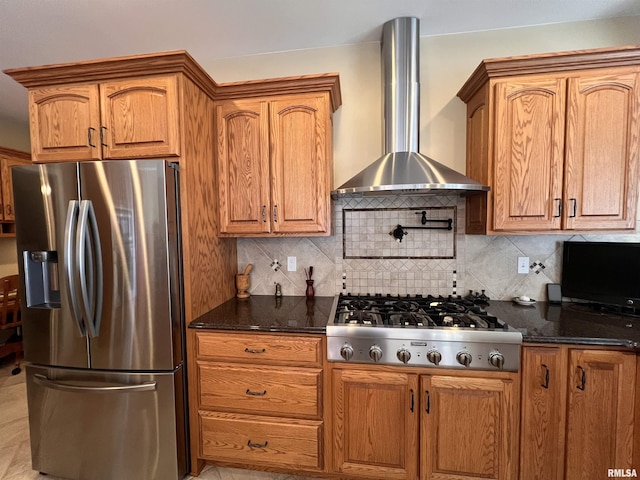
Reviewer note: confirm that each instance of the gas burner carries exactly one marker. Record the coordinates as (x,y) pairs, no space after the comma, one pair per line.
(452,307)
(360,317)
(360,304)
(411,319)
(405,306)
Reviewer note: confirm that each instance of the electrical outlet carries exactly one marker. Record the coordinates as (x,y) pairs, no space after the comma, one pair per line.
(523,264)
(291,264)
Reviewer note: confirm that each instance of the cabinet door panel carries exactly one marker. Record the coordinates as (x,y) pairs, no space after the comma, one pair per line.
(375,424)
(468,428)
(601,168)
(529,136)
(8,160)
(599,413)
(300,141)
(141,118)
(243,166)
(542,433)
(65,123)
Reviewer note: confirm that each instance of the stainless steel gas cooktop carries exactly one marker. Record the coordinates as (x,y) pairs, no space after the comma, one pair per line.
(427,331)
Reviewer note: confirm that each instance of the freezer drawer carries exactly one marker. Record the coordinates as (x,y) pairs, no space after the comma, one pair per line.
(104,425)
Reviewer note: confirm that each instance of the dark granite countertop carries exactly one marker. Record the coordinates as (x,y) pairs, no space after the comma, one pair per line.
(267,313)
(573,323)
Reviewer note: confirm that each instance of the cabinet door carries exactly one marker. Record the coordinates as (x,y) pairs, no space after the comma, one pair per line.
(375,424)
(6,162)
(599,413)
(65,123)
(301,164)
(140,118)
(468,428)
(243,166)
(542,414)
(529,148)
(601,170)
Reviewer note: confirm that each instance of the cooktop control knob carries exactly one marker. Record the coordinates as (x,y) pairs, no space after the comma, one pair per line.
(464,358)
(346,352)
(496,359)
(404,355)
(375,352)
(434,357)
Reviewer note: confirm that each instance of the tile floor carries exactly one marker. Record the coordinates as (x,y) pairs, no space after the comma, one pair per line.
(15,456)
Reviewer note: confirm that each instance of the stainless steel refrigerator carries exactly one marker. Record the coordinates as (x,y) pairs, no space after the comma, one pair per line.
(103,328)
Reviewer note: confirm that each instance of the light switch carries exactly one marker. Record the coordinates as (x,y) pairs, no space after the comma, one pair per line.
(523,264)
(291,264)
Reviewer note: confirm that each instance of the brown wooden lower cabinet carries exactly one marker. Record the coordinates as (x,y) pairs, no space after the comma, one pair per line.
(468,427)
(466,422)
(257,400)
(375,423)
(578,412)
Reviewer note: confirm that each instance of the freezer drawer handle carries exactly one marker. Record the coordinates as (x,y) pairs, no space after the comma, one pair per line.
(257,445)
(46,382)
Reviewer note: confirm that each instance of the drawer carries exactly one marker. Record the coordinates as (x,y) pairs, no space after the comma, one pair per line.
(255,440)
(262,390)
(277,349)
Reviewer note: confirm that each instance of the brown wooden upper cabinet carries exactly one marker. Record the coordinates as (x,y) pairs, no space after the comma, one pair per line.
(9,158)
(275,156)
(556,137)
(132,118)
(156,105)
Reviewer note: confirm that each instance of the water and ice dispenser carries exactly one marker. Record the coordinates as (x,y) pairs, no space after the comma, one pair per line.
(41,279)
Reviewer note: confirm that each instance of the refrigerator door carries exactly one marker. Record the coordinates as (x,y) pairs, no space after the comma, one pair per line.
(46,200)
(104,425)
(136,301)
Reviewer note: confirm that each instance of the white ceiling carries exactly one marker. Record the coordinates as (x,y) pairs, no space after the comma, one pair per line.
(38,32)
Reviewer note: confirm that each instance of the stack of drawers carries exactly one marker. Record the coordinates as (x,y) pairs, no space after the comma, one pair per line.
(260,399)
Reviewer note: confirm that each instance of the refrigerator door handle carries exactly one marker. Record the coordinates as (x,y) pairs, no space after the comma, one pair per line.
(69,265)
(91,284)
(66,387)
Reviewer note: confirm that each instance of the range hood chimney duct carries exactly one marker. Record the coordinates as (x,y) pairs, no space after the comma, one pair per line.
(402,170)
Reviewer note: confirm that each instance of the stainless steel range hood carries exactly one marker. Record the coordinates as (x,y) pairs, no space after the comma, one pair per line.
(402,170)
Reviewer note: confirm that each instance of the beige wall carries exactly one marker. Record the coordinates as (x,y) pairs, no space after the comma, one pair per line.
(446,63)
(14,135)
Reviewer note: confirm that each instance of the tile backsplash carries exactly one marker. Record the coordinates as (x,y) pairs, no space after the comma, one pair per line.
(362,257)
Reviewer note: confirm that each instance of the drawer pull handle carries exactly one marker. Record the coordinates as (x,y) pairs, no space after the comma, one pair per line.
(256,394)
(428,407)
(559,214)
(248,350)
(89,139)
(546,377)
(583,379)
(257,445)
